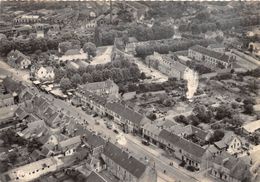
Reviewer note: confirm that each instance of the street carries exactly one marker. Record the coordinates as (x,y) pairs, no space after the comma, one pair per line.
(133,144)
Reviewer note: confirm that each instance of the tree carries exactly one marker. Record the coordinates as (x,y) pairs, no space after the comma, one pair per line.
(217,136)
(202,113)
(64,46)
(142,76)
(222,112)
(248,109)
(76,79)
(152,116)
(90,48)
(65,84)
(181,119)
(87,78)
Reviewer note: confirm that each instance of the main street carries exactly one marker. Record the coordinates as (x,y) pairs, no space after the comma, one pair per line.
(133,144)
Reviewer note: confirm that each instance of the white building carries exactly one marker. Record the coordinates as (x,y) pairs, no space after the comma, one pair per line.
(33,170)
(45,73)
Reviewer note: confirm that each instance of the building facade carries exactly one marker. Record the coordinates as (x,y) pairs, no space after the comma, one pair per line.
(45,74)
(210,57)
(18,60)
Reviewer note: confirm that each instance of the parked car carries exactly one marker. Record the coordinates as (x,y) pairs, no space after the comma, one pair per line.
(115,131)
(145,142)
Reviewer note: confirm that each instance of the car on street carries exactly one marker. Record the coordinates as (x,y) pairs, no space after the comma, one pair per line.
(145,142)
(115,131)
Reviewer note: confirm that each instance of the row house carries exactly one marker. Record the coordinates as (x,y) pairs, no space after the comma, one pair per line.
(182,149)
(126,167)
(128,119)
(228,168)
(210,57)
(168,65)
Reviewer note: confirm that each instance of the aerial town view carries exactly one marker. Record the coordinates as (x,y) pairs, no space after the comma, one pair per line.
(129,91)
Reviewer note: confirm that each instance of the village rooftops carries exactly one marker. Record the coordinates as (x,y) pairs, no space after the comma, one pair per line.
(125,160)
(125,112)
(182,143)
(95,141)
(70,142)
(238,169)
(210,53)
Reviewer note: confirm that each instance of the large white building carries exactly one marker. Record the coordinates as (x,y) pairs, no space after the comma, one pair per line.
(210,57)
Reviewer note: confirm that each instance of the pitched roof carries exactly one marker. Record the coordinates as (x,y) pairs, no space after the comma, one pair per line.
(125,112)
(98,85)
(12,86)
(182,143)
(123,159)
(95,141)
(70,142)
(211,53)
(94,177)
(252,126)
(72,52)
(237,167)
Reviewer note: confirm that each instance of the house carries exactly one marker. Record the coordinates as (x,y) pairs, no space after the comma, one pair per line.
(12,86)
(192,133)
(32,170)
(106,88)
(95,144)
(251,127)
(182,149)
(35,129)
(126,167)
(130,120)
(229,168)
(168,65)
(18,60)
(74,55)
(45,73)
(209,57)
(230,142)
(6,100)
(68,147)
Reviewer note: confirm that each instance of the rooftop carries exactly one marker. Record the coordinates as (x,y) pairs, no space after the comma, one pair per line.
(211,53)
(182,143)
(95,177)
(125,112)
(252,126)
(125,160)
